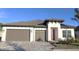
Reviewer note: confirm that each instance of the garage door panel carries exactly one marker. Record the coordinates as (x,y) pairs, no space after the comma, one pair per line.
(40,35)
(17,35)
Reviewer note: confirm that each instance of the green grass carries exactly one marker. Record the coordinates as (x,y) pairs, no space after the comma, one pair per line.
(67,46)
(75,44)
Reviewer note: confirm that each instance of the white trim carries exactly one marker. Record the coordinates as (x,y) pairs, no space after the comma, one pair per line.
(32,35)
(4,34)
(49,34)
(40,28)
(19,27)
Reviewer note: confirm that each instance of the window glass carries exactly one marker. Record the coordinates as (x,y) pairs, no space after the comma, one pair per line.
(69,33)
(66,33)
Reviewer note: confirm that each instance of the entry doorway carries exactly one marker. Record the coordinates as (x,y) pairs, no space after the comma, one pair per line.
(54,34)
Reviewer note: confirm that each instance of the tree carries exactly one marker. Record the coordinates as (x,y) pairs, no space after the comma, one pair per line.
(76,15)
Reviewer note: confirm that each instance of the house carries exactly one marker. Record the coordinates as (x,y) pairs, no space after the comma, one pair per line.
(44,30)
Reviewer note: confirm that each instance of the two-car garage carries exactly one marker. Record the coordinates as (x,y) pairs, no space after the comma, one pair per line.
(24,35)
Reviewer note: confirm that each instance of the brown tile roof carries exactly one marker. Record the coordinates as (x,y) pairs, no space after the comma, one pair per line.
(34,23)
(54,20)
(67,26)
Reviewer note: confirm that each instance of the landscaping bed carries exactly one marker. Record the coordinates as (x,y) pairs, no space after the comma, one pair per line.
(67,46)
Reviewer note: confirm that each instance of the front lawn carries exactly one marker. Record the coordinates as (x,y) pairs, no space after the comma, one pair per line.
(67,46)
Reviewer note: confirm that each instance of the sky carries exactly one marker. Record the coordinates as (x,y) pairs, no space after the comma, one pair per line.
(27,14)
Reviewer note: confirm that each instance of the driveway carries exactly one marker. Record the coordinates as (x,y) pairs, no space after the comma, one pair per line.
(25,46)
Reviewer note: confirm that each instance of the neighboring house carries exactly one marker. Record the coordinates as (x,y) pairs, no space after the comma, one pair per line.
(44,30)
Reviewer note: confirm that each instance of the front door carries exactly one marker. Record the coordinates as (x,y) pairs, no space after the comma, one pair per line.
(54,34)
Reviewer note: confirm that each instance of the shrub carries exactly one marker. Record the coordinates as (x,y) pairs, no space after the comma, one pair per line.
(76,40)
(67,41)
(62,42)
(39,39)
(71,40)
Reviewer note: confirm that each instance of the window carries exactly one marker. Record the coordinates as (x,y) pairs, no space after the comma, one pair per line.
(69,33)
(66,33)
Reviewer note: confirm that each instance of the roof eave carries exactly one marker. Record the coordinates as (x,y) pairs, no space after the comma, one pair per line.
(24,26)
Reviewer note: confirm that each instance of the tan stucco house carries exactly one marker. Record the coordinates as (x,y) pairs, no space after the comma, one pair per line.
(44,30)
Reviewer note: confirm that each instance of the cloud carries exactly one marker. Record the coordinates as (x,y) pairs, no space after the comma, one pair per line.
(3,14)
